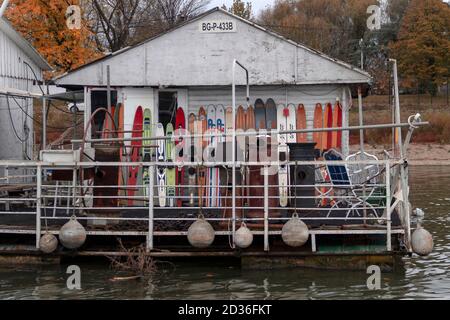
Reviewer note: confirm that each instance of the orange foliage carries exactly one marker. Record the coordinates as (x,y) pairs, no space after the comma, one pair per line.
(43,23)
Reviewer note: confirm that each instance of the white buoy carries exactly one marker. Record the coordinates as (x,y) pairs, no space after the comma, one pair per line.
(201,234)
(422,241)
(48,243)
(72,235)
(295,232)
(244,237)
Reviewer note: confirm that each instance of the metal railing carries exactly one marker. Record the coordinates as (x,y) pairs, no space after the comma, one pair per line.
(259,207)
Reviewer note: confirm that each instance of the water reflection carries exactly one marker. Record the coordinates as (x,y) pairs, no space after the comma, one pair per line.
(423,277)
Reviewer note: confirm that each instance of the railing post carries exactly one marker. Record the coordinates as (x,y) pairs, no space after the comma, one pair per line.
(266,209)
(150,208)
(388,208)
(38,204)
(406,208)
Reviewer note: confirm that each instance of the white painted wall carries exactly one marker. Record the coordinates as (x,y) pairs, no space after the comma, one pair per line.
(188,57)
(16,75)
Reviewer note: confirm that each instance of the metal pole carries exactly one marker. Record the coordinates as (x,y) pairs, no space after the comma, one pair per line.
(44,123)
(361,42)
(150,209)
(361,120)
(397,108)
(108,91)
(246,134)
(233,144)
(266,209)
(361,142)
(38,204)
(388,208)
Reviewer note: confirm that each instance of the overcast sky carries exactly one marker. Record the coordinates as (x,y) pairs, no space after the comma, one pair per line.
(257,4)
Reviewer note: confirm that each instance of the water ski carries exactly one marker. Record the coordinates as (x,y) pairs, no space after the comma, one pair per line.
(170,171)
(136,145)
(161,157)
(180,127)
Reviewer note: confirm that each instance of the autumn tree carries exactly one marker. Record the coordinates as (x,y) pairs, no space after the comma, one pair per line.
(331,26)
(43,23)
(423,46)
(241,9)
(121,23)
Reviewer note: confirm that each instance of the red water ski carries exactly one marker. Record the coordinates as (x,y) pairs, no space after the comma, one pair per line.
(135,152)
(180,125)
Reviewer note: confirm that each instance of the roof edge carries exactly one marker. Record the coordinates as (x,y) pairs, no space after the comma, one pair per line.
(23,44)
(253,24)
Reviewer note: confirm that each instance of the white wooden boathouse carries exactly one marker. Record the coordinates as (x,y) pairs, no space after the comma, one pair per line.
(194,62)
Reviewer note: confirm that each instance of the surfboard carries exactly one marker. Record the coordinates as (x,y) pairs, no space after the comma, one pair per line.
(146,150)
(211,176)
(260,115)
(250,121)
(318,124)
(337,123)
(180,127)
(135,153)
(161,172)
(170,171)
(328,123)
(301,124)
(192,176)
(271,114)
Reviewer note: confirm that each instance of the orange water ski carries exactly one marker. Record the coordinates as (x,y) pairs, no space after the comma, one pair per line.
(301,124)
(318,124)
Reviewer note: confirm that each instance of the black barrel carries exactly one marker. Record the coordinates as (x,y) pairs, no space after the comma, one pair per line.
(302,175)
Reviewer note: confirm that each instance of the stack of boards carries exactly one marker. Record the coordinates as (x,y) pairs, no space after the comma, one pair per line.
(206,183)
(167,177)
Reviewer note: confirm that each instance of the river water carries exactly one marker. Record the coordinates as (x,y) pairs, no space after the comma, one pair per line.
(423,278)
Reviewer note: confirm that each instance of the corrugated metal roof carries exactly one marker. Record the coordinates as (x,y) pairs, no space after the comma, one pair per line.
(316,52)
(23,44)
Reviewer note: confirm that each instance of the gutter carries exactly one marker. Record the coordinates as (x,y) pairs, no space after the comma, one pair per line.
(3,7)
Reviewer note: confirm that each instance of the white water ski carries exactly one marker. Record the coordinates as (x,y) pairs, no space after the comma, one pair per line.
(283,171)
(211,177)
(220,125)
(161,174)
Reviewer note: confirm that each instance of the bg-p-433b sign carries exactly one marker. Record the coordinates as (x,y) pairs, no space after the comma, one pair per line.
(217,26)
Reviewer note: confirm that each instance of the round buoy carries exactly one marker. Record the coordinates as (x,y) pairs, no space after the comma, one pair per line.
(244,237)
(422,242)
(201,234)
(72,235)
(295,232)
(48,243)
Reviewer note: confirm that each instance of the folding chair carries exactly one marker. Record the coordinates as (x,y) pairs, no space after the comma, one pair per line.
(353,182)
